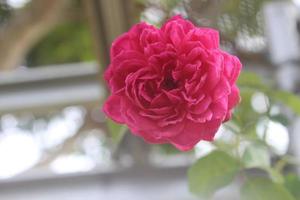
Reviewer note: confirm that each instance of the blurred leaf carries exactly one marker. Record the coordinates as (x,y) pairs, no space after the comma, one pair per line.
(275,175)
(231,5)
(5,12)
(244,16)
(250,80)
(212,172)
(244,114)
(116,131)
(143,2)
(68,43)
(169,4)
(256,155)
(280,118)
(264,189)
(292,183)
(168,149)
(224,145)
(289,99)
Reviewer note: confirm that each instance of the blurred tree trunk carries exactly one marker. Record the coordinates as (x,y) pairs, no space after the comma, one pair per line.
(108,19)
(26,27)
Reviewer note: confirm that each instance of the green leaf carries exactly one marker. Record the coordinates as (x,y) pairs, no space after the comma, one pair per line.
(292,183)
(168,149)
(169,4)
(275,175)
(280,118)
(212,172)
(256,155)
(116,131)
(244,114)
(264,189)
(68,42)
(289,99)
(250,80)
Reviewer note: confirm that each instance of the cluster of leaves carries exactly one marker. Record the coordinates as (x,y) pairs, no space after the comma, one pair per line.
(5,12)
(69,42)
(222,166)
(244,16)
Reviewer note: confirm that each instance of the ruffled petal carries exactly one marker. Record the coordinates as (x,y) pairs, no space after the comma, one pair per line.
(193,133)
(112,108)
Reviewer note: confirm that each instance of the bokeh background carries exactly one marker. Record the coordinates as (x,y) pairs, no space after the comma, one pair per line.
(55,142)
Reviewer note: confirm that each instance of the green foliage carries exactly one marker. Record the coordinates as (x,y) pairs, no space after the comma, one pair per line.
(243,16)
(256,155)
(218,168)
(250,80)
(169,4)
(250,83)
(168,149)
(246,118)
(212,172)
(280,118)
(292,183)
(288,99)
(69,42)
(264,189)
(5,12)
(116,131)
(275,175)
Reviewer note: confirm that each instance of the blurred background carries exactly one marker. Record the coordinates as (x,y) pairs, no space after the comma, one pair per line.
(55,142)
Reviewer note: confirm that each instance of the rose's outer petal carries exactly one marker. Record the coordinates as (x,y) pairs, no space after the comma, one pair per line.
(233,99)
(220,109)
(122,43)
(108,74)
(112,108)
(193,133)
(211,38)
(135,34)
(140,124)
(129,40)
(208,37)
(123,64)
(148,137)
(232,67)
(185,24)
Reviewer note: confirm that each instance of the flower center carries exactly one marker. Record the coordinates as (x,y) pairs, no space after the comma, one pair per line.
(169,83)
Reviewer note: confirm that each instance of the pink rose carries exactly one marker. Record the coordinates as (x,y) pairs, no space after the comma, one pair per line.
(173,84)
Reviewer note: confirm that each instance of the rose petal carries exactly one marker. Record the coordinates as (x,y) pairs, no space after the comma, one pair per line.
(112,108)
(193,133)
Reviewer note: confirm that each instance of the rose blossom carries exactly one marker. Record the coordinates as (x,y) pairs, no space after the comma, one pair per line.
(173,84)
